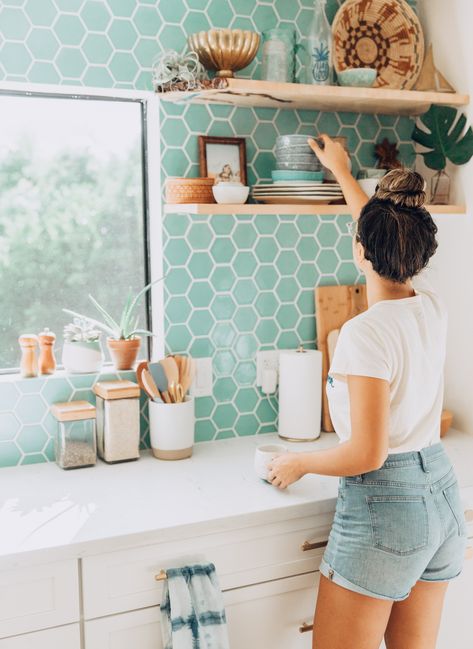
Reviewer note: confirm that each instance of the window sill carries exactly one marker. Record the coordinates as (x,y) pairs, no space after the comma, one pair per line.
(107,372)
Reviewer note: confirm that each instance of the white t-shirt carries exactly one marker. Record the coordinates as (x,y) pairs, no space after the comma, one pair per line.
(404,342)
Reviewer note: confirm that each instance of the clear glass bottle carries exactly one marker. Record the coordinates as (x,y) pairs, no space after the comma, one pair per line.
(75,443)
(319,66)
(279,46)
(440,188)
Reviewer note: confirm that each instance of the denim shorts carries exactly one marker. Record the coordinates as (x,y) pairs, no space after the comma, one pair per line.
(397,525)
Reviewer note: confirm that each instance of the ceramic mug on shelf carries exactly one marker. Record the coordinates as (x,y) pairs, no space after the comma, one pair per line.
(263,456)
(171,429)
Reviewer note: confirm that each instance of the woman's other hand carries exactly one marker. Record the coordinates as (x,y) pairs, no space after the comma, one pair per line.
(333,156)
(285,469)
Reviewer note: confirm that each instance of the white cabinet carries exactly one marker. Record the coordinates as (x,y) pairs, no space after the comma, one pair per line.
(63,637)
(455,629)
(264,615)
(122,581)
(38,597)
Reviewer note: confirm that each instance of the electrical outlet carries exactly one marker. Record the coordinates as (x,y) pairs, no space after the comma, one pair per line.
(202,386)
(266,360)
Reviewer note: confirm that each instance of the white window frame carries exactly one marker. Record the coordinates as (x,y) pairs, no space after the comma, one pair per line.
(152,170)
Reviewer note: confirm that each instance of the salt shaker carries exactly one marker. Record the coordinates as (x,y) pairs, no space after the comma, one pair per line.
(29,362)
(75,443)
(47,361)
(118,420)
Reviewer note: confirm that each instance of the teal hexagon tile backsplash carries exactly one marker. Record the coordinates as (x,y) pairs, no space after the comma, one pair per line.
(233,283)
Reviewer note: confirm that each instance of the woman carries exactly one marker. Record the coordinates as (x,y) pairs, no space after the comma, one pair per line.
(398,534)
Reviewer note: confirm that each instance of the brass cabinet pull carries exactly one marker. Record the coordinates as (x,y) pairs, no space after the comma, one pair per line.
(304,627)
(308,545)
(469,515)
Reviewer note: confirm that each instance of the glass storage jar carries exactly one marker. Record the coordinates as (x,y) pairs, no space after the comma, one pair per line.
(75,444)
(279,47)
(118,420)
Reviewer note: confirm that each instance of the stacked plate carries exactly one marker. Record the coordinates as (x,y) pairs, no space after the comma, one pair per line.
(298,193)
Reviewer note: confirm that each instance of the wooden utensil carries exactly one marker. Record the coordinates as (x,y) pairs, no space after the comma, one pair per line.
(334,305)
(149,385)
(170,368)
(187,373)
(141,366)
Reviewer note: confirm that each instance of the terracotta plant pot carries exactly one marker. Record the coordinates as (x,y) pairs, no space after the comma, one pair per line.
(124,352)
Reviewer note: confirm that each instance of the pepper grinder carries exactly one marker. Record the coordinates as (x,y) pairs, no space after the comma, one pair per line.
(47,361)
(29,363)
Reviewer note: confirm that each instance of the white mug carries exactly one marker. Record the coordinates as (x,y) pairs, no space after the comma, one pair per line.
(263,456)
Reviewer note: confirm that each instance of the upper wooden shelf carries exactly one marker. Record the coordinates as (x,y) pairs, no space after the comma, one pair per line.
(260,208)
(267,94)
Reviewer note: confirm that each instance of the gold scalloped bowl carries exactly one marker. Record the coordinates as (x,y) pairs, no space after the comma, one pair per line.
(225,50)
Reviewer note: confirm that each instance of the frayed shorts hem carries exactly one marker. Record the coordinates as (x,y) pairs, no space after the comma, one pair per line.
(332,575)
(439,581)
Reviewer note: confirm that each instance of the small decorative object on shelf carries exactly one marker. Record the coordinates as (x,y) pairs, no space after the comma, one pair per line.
(124,339)
(225,50)
(279,49)
(319,66)
(171,68)
(387,154)
(369,34)
(118,420)
(47,361)
(223,158)
(75,444)
(430,79)
(357,77)
(228,193)
(82,351)
(444,139)
(189,190)
(29,361)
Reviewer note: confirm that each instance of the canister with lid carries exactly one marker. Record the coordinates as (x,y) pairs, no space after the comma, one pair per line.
(118,420)
(75,443)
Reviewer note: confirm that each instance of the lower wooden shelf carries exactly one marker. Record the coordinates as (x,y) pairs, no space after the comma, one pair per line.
(260,208)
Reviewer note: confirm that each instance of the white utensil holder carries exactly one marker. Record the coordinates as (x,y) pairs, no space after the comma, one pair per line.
(171,429)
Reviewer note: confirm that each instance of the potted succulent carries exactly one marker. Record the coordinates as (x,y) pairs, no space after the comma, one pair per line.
(444,139)
(82,351)
(124,336)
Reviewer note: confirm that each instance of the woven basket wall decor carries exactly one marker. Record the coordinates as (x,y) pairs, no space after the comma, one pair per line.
(381,34)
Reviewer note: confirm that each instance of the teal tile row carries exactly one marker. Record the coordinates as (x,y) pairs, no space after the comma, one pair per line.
(234,284)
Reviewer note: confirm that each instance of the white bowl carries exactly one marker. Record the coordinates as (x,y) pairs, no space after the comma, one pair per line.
(234,193)
(368,185)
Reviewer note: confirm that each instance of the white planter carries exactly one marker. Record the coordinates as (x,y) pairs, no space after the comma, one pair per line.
(82,357)
(171,429)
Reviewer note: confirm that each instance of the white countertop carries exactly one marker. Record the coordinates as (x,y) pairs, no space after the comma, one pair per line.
(48,514)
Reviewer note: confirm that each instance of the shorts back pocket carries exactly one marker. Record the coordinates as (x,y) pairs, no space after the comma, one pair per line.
(452,496)
(399,524)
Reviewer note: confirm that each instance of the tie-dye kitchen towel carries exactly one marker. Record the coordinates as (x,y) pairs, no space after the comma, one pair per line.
(192,612)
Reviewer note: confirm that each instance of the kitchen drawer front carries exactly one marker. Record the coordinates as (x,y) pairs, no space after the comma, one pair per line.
(264,615)
(38,597)
(63,637)
(124,581)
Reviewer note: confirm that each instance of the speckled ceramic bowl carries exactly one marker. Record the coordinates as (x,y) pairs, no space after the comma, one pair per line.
(357,77)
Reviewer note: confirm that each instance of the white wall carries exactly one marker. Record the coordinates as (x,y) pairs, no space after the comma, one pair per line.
(448,25)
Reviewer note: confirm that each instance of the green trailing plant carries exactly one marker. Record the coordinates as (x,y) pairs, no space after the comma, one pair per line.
(126,327)
(444,137)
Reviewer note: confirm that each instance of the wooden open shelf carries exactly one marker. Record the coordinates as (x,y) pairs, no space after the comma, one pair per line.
(260,208)
(267,94)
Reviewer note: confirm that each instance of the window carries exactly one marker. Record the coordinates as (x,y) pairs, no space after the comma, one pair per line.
(72,211)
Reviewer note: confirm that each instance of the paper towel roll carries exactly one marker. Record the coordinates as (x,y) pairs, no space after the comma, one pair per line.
(300,394)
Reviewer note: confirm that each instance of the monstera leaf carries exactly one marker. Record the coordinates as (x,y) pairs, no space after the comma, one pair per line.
(444,137)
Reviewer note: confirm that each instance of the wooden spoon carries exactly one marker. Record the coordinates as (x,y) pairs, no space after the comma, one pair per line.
(149,385)
(141,366)
(188,373)
(170,369)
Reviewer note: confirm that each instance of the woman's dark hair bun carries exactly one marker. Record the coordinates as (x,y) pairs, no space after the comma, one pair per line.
(403,187)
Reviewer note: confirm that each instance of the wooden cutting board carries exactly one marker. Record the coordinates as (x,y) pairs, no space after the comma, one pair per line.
(334,305)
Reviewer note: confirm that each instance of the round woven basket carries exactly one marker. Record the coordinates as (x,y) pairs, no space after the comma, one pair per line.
(189,190)
(381,34)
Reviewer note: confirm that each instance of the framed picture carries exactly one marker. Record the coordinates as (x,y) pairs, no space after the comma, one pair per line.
(223,158)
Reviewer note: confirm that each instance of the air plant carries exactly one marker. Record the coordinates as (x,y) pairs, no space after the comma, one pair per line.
(170,68)
(127,326)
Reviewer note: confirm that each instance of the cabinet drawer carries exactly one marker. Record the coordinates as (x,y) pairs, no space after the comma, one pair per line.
(264,615)
(38,597)
(124,580)
(63,637)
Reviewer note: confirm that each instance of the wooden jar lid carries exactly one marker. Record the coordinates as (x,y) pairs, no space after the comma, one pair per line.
(116,389)
(73,410)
